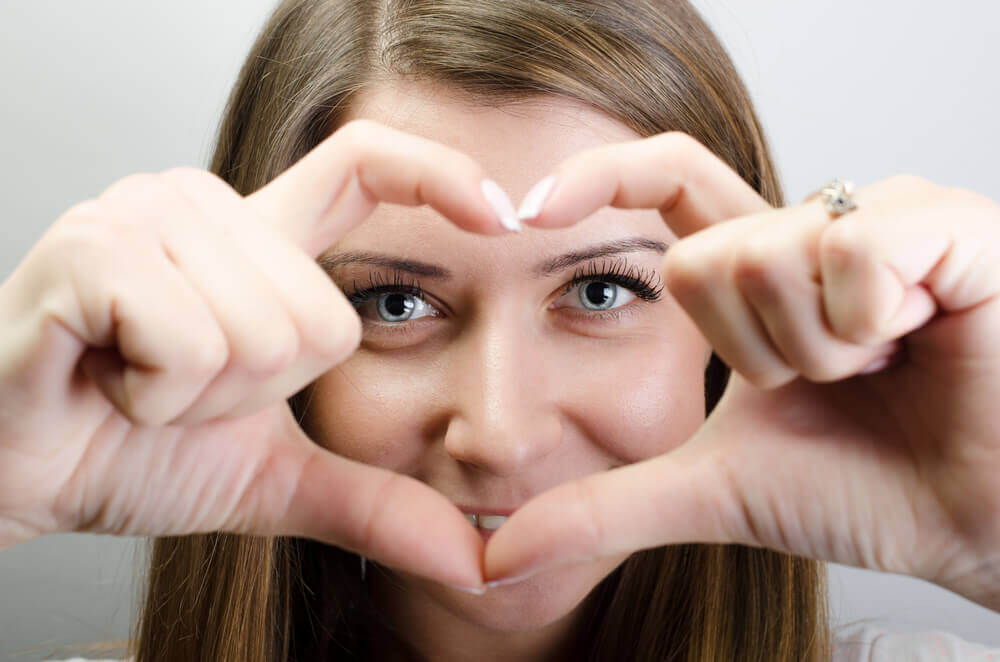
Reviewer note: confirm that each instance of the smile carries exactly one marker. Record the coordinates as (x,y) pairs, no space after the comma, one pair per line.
(489,522)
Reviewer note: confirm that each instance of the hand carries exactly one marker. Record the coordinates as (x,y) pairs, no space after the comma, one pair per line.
(895,470)
(149,340)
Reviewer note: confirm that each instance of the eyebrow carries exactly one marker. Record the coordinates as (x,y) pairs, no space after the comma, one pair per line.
(548,267)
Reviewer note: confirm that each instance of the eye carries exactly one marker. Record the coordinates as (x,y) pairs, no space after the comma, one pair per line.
(597,295)
(395,307)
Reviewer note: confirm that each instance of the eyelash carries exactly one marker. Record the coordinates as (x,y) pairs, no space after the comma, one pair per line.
(640,281)
(643,283)
(361,294)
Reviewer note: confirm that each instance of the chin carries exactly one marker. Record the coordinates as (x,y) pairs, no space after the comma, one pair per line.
(534,603)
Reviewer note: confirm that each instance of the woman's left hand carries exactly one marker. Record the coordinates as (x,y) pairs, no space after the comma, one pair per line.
(896,470)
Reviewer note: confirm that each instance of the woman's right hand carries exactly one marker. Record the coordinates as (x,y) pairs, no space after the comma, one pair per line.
(149,340)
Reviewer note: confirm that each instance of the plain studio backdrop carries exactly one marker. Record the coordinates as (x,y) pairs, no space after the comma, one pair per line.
(96,90)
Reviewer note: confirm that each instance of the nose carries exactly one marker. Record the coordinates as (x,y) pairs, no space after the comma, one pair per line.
(506,417)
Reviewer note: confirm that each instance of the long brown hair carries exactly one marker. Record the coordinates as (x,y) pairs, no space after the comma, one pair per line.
(655,66)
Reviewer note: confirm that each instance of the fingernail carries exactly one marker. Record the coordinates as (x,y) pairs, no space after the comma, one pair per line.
(501,204)
(532,204)
(475,590)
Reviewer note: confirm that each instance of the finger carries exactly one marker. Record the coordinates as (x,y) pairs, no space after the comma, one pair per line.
(139,316)
(699,273)
(672,172)
(910,248)
(671,499)
(336,185)
(261,341)
(276,290)
(389,517)
(776,269)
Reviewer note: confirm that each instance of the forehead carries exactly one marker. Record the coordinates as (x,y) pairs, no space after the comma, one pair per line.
(516,144)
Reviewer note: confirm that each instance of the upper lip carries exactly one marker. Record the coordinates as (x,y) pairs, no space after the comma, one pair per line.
(482,510)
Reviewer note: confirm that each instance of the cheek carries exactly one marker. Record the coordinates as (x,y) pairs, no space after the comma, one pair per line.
(362,413)
(646,407)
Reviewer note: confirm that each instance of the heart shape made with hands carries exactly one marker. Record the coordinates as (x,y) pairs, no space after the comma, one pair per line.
(859,425)
(806,453)
(890,470)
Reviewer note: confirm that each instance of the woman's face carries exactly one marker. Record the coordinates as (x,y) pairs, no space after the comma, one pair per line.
(508,378)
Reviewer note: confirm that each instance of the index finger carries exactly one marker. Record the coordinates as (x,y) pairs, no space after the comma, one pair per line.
(340,182)
(672,172)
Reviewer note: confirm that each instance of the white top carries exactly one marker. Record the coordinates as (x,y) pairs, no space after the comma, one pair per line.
(865,642)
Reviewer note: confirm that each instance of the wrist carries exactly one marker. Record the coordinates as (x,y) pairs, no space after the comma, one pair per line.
(979,583)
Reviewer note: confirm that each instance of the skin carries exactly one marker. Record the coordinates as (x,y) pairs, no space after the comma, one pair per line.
(486,394)
(178,428)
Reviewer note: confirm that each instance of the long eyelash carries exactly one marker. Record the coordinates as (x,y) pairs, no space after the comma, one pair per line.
(646,284)
(377,284)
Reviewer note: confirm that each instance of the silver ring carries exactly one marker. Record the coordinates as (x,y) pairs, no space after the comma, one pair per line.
(838,197)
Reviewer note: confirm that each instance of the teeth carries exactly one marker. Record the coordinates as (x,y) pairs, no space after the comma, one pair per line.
(491,521)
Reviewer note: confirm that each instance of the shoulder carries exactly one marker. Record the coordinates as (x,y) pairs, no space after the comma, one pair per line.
(868,642)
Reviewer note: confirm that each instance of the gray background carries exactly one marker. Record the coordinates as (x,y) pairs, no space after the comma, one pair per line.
(96,90)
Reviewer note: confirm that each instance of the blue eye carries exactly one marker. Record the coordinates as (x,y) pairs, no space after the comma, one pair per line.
(601,295)
(399,306)
(595,289)
(393,303)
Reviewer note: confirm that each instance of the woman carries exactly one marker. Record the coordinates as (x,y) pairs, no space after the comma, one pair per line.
(452,376)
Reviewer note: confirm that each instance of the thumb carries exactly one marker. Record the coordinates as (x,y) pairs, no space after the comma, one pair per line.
(676,498)
(391,518)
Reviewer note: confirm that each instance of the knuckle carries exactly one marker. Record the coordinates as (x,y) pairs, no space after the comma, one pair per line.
(681,143)
(820,372)
(136,184)
(85,211)
(467,164)
(84,238)
(754,266)
(339,338)
(145,411)
(142,199)
(683,153)
(208,356)
(840,241)
(684,272)
(841,246)
(327,323)
(186,173)
(183,179)
(274,357)
(330,324)
(358,132)
(194,180)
